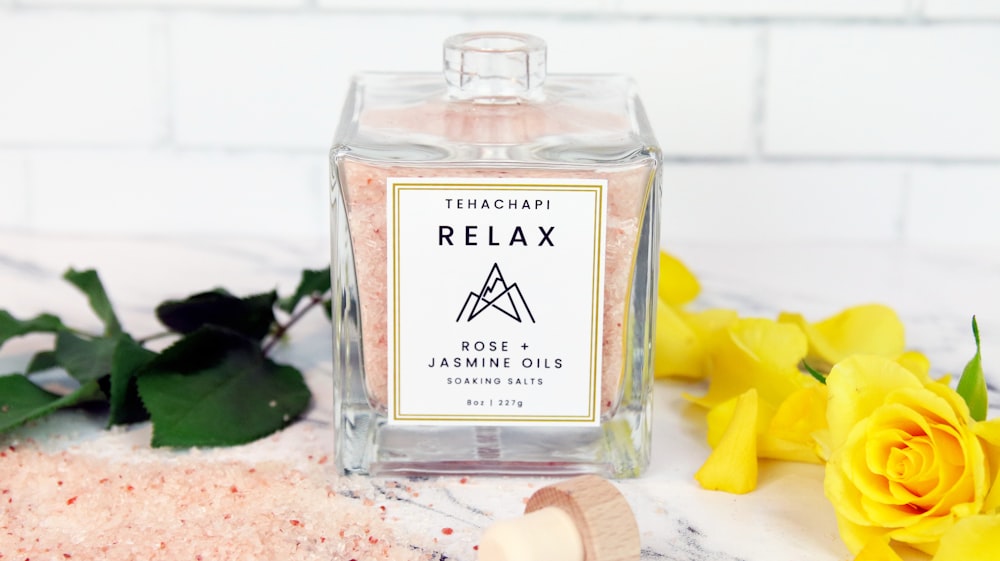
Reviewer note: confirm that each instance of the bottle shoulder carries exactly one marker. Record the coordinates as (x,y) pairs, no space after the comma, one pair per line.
(576,120)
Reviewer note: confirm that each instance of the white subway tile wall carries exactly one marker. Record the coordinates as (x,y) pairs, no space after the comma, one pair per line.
(14,208)
(869,121)
(522,6)
(931,217)
(279,81)
(771,8)
(877,91)
(81,79)
(962,9)
(259,194)
(701,106)
(237,4)
(782,203)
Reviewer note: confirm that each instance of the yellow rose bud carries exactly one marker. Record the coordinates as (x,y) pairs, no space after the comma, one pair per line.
(906,462)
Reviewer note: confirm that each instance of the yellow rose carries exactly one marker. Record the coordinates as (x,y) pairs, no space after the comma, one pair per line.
(906,461)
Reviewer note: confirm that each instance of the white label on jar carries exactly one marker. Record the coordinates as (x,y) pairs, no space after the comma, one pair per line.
(495,300)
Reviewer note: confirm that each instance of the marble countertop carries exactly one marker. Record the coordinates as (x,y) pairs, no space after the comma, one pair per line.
(935,290)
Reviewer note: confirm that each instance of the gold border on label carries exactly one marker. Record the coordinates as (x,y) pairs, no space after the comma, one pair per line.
(597,289)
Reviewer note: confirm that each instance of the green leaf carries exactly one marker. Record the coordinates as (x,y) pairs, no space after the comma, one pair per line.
(22,401)
(972,384)
(252,316)
(313,284)
(85,359)
(215,387)
(90,284)
(43,360)
(11,327)
(127,361)
(819,376)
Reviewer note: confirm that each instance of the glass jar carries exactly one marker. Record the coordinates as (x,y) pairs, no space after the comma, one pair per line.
(494,261)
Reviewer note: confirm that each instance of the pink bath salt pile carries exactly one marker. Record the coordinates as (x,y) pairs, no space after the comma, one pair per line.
(365,187)
(69,505)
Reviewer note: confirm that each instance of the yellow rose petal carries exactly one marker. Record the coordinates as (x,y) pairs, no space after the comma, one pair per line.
(678,285)
(792,431)
(856,536)
(878,550)
(867,329)
(755,353)
(916,362)
(709,322)
(732,465)
(718,420)
(677,350)
(857,386)
(721,416)
(683,339)
(782,435)
(989,433)
(852,520)
(975,538)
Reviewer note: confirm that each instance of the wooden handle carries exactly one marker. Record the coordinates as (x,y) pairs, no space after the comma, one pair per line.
(601,513)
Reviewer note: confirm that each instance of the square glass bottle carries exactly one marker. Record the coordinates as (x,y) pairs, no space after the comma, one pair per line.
(495,236)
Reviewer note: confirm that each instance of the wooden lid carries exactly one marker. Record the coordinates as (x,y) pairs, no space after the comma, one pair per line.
(601,513)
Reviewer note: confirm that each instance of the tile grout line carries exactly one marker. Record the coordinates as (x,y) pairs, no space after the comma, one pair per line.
(916,11)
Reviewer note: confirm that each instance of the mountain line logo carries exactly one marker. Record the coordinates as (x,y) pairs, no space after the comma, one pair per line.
(496,294)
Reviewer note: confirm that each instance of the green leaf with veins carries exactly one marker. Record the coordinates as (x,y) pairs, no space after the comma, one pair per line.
(312,284)
(83,358)
(11,327)
(252,316)
(127,360)
(972,384)
(89,282)
(215,387)
(22,401)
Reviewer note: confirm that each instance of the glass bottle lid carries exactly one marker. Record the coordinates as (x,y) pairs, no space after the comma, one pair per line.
(494,66)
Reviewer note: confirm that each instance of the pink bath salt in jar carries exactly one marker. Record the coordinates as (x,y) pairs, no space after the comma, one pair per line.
(494,251)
